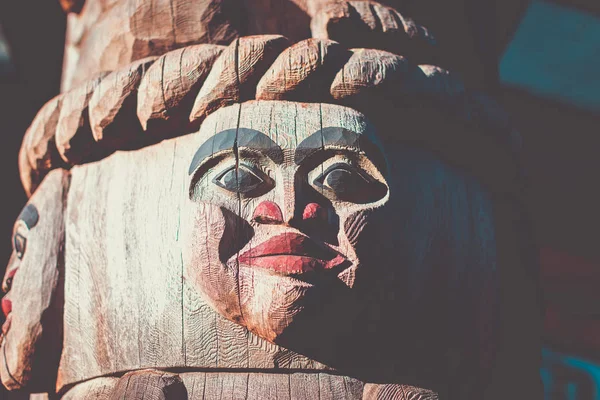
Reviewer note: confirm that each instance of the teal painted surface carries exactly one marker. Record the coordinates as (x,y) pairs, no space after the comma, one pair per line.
(555,53)
(568,377)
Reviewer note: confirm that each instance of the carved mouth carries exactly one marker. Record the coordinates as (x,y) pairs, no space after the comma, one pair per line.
(293,254)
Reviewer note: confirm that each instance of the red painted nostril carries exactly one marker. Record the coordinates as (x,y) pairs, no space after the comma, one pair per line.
(314,211)
(6,306)
(267,211)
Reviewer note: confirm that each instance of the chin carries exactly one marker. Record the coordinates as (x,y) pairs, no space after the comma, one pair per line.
(270,303)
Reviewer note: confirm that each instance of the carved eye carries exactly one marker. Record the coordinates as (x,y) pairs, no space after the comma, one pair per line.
(7,285)
(244,181)
(347,184)
(19,244)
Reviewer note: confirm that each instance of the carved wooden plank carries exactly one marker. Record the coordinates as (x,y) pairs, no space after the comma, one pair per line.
(169,87)
(235,73)
(38,152)
(252,385)
(74,137)
(226,386)
(303,71)
(339,387)
(99,388)
(152,277)
(268,386)
(149,384)
(31,339)
(397,392)
(304,386)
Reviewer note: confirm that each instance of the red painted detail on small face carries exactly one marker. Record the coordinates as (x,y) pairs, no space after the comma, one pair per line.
(290,254)
(266,212)
(6,306)
(314,211)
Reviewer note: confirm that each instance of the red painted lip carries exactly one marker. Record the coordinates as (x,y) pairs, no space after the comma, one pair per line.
(6,306)
(291,254)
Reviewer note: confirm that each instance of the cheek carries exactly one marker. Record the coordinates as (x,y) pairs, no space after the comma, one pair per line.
(270,302)
(354,225)
(212,239)
(214,235)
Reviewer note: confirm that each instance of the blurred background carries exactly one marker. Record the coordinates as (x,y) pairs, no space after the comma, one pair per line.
(540,59)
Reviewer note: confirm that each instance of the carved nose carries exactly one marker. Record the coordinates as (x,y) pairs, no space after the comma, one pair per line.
(314,212)
(6,306)
(268,212)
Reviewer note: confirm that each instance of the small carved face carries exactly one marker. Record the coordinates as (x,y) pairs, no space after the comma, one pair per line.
(280,194)
(27,220)
(29,288)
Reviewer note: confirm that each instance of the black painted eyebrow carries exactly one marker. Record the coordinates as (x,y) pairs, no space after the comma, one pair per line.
(29,216)
(246,137)
(338,137)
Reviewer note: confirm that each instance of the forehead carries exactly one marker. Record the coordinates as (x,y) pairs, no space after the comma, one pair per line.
(29,215)
(287,124)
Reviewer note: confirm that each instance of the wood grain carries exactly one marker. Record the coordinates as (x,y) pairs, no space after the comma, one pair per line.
(252,385)
(74,138)
(108,35)
(112,108)
(235,73)
(32,341)
(38,153)
(368,24)
(169,324)
(98,388)
(303,71)
(397,392)
(149,384)
(169,87)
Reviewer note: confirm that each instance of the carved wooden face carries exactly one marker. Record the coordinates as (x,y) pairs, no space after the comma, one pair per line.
(30,334)
(281,192)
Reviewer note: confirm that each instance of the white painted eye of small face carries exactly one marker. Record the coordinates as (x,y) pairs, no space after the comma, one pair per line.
(19,239)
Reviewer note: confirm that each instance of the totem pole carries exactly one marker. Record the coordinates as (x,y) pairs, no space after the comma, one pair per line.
(265,199)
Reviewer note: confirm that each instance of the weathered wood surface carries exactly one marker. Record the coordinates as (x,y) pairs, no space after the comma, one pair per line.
(303,70)
(154,384)
(282,235)
(73,137)
(235,74)
(150,385)
(140,104)
(397,392)
(109,34)
(38,153)
(172,327)
(112,108)
(33,303)
(127,270)
(368,24)
(169,87)
(98,388)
